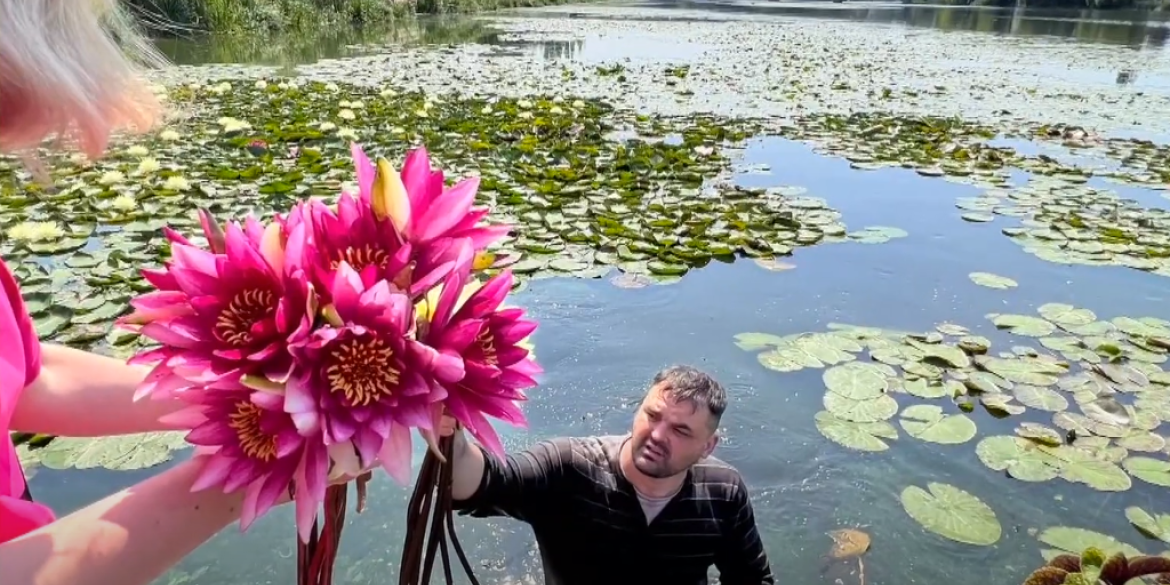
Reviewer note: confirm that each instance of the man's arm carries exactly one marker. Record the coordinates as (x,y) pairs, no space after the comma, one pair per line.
(741,559)
(483,485)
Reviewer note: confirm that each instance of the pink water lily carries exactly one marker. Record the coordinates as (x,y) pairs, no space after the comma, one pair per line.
(361,379)
(423,209)
(224,313)
(372,246)
(496,369)
(249,443)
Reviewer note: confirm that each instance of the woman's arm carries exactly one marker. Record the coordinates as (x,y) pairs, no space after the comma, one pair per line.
(80,394)
(129,538)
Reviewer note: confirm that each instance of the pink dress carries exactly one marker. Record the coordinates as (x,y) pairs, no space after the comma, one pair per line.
(20,362)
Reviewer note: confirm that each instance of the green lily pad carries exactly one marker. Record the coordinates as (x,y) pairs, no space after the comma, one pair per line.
(855,380)
(1082,467)
(1020,458)
(119,453)
(869,436)
(758,341)
(952,513)
(990,280)
(1148,469)
(1024,325)
(1068,540)
(1153,526)
(1066,315)
(928,423)
(1040,397)
(870,410)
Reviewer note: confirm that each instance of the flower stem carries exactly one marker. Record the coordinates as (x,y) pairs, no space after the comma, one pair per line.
(315,558)
(419,551)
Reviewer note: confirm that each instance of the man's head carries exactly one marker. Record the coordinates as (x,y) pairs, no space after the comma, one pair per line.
(677,423)
(71,68)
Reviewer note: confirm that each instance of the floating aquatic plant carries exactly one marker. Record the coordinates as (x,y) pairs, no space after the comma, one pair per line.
(1095,567)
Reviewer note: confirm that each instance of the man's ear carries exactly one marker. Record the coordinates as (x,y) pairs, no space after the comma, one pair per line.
(711,444)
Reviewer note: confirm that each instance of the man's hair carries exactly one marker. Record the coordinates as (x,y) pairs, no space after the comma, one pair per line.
(689,384)
(72,68)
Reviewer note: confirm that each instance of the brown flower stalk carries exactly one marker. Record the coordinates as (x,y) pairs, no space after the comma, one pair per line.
(431,500)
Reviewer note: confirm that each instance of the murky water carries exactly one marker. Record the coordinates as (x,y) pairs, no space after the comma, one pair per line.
(600,345)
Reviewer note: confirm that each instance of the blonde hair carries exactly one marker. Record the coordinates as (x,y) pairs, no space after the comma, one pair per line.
(72,68)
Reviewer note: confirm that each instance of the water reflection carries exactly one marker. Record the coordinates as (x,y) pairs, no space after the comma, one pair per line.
(291,50)
(1132,28)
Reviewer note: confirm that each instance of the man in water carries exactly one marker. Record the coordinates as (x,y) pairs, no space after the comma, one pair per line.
(647,508)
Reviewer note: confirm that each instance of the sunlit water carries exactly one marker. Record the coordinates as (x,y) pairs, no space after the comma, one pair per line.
(600,345)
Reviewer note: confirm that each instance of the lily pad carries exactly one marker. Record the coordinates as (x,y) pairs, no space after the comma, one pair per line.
(1018,457)
(1069,540)
(1041,398)
(119,453)
(1148,469)
(952,513)
(869,410)
(871,436)
(1151,525)
(857,381)
(928,423)
(990,280)
(1066,315)
(1024,325)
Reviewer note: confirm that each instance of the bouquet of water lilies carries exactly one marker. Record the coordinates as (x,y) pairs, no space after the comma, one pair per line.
(311,346)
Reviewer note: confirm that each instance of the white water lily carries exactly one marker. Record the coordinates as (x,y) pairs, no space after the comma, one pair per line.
(111,177)
(421,114)
(176,183)
(169,135)
(558,100)
(331,86)
(283,85)
(261,84)
(346,114)
(327,126)
(388,93)
(124,203)
(486,110)
(398,130)
(578,104)
(347,133)
(148,165)
(357,105)
(220,89)
(234,125)
(35,231)
(137,150)
(524,104)
(555,111)
(525,115)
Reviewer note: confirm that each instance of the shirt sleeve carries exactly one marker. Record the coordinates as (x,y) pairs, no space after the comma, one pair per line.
(741,559)
(518,483)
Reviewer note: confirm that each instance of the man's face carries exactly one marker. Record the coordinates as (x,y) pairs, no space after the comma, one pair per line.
(670,436)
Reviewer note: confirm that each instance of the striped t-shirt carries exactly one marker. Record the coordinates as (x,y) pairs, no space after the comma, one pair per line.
(591,527)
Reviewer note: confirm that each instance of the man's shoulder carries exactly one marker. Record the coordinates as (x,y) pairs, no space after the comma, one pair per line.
(588,452)
(717,479)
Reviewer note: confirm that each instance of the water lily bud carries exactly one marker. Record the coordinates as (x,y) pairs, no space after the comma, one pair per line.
(389,197)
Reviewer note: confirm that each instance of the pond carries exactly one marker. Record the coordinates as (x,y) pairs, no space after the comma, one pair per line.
(899,186)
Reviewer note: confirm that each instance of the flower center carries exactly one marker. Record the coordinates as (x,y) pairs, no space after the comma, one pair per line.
(234,324)
(361,257)
(254,442)
(487,345)
(362,370)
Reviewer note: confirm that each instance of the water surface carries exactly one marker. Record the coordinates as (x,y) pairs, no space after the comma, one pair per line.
(600,345)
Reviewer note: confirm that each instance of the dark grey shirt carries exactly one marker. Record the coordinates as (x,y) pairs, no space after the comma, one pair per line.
(591,528)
